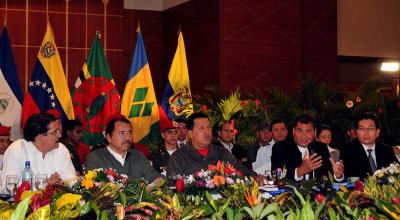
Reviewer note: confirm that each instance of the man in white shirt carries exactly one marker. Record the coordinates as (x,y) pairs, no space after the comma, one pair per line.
(264,154)
(4,141)
(41,147)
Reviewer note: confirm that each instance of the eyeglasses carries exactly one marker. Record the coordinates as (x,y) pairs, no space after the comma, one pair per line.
(57,131)
(370,129)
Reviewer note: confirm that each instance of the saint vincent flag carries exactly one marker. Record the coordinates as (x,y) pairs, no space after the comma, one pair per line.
(139,102)
(177,99)
(11,93)
(48,87)
(95,97)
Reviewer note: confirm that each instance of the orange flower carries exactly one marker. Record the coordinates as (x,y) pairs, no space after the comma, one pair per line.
(87,183)
(219,180)
(219,167)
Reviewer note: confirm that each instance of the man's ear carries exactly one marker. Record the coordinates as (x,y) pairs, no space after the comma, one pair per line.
(108,137)
(189,134)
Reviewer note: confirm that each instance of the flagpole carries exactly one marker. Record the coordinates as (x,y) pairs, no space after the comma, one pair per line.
(105,2)
(66,38)
(26,44)
(5,16)
(47,10)
(86,19)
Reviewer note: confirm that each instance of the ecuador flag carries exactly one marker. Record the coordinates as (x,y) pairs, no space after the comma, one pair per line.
(177,98)
(48,87)
(95,97)
(11,92)
(139,102)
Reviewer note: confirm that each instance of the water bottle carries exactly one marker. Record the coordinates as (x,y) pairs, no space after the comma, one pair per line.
(27,173)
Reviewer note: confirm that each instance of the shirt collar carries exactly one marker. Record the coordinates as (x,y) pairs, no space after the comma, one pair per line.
(117,156)
(366,147)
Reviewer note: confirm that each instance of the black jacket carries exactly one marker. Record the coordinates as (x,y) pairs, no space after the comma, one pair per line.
(159,159)
(286,154)
(187,160)
(355,159)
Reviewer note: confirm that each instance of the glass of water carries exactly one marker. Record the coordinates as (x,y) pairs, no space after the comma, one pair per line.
(40,181)
(11,184)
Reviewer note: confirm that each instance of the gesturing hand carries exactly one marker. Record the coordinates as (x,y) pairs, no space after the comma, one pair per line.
(337,167)
(309,164)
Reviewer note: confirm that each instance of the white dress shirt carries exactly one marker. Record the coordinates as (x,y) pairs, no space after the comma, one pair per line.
(57,160)
(263,159)
(117,156)
(303,151)
(227,146)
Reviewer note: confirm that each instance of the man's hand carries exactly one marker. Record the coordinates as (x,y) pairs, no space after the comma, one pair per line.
(309,164)
(337,167)
(260,179)
(54,179)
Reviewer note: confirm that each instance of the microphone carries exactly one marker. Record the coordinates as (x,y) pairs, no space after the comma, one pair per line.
(311,152)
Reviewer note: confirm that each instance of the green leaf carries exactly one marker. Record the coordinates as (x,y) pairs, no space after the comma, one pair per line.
(122,197)
(85,209)
(212,202)
(41,213)
(268,210)
(20,212)
(249,211)
(229,213)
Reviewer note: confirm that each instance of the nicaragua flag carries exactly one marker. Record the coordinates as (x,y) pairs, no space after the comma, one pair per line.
(48,87)
(177,98)
(139,102)
(11,92)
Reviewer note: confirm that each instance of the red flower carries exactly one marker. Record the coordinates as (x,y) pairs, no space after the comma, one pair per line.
(198,174)
(396,200)
(320,198)
(358,99)
(204,108)
(379,110)
(358,185)
(235,131)
(258,102)
(110,172)
(232,123)
(180,185)
(244,103)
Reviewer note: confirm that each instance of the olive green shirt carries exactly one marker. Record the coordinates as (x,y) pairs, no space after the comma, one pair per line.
(136,166)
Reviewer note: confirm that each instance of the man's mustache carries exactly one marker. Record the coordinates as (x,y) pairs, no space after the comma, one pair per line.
(128,142)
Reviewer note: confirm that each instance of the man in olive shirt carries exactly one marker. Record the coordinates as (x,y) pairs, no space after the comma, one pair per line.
(200,152)
(119,155)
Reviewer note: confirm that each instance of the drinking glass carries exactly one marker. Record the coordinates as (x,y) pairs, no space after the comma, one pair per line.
(269,175)
(40,181)
(11,184)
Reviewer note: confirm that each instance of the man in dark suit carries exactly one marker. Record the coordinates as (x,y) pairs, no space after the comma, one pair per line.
(303,158)
(225,138)
(363,155)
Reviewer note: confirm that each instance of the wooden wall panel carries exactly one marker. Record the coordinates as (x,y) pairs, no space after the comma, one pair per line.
(200,21)
(319,34)
(78,43)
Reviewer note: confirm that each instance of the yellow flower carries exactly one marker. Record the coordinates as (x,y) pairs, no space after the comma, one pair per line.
(90,175)
(87,183)
(67,199)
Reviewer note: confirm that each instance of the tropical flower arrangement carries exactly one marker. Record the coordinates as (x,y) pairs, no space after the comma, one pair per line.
(215,177)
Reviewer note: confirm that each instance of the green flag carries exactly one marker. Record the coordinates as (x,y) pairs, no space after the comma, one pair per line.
(95,97)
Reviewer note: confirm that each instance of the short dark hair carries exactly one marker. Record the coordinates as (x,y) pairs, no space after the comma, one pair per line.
(276,121)
(368,116)
(304,118)
(192,117)
(180,120)
(111,124)
(323,127)
(70,125)
(37,124)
